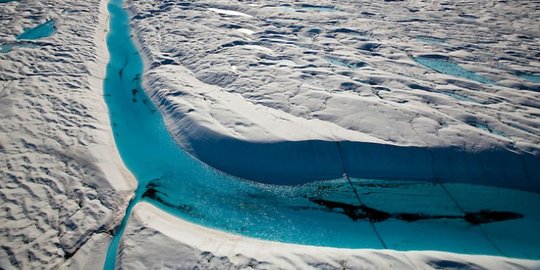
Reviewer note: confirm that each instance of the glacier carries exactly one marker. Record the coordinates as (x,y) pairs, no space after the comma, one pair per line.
(299,94)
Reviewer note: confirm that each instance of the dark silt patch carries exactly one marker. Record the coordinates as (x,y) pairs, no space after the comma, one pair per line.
(363,212)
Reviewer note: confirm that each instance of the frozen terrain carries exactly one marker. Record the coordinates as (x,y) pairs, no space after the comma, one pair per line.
(301,92)
(64,187)
(295,92)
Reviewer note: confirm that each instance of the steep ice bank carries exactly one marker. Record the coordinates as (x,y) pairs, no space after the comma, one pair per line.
(270,146)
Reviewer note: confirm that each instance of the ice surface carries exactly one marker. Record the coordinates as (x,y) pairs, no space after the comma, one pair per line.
(317,8)
(431,40)
(459,96)
(245,31)
(64,187)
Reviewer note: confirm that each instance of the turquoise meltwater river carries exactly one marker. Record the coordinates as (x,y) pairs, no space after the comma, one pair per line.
(346,213)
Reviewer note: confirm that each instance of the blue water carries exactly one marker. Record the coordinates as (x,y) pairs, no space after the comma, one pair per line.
(459,96)
(6,1)
(5,48)
(43,30)
(451,68)
(183,186)
(530,77)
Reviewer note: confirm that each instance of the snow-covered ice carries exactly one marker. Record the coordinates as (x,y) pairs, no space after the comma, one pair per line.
(368,75)
(229,12)
(297,91)
(64,187)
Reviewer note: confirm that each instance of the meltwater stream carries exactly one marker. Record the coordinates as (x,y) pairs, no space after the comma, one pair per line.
(401,215)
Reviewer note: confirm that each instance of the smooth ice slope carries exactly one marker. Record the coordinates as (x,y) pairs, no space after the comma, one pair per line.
(283,95)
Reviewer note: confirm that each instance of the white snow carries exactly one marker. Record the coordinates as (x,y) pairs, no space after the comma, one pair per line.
(230,12)
(257,47)
(64,187)
(245,31)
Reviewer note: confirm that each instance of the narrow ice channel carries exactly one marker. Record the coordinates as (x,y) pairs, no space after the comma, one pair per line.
(345,213)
